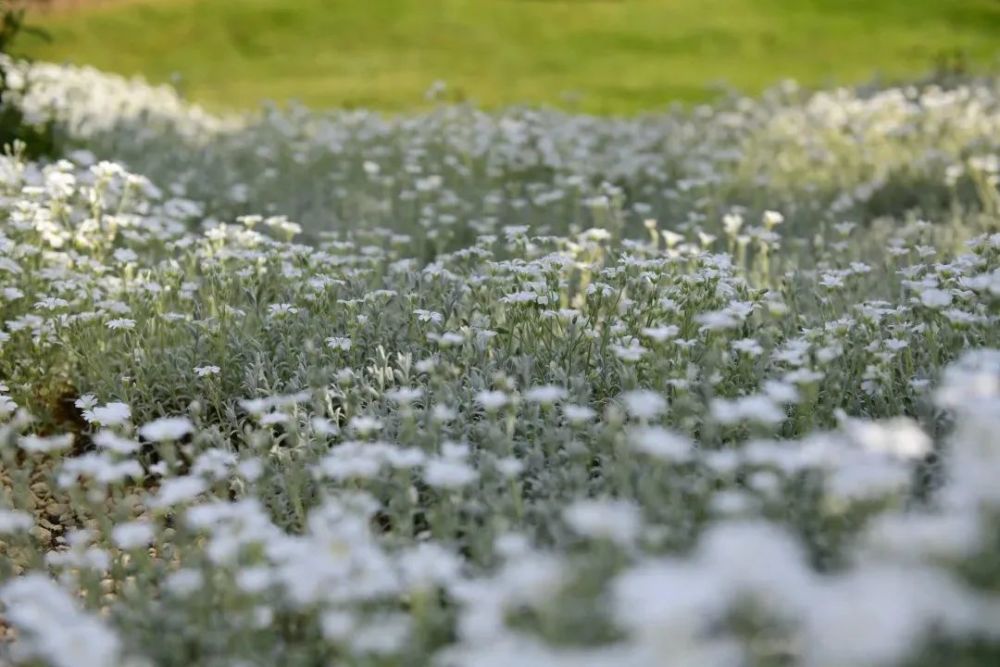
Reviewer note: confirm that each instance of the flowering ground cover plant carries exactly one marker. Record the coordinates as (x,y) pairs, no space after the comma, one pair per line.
(712,388)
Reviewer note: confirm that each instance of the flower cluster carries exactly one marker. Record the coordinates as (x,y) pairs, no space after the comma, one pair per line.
(489,389)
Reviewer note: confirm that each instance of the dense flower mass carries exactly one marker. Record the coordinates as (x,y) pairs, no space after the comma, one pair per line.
(711,387)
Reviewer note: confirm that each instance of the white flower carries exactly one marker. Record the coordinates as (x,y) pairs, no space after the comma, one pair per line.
(578,414)
(176,490)
(44,445)
(428,316)
(14,521)
(184,582)
(781,392)
(337,625)
(254,580)
(732,222)
(935,298)
(281,309)
(803,376)
(112,441)
(365,424)
(250,469)
(632,352)
(404,395)
(132,535)
(877,614)
(112,414)
(660,443)
(510,466)
(443,413)
(428,565)
(120,323)
(205,371)
(644,404)
(52,628)
(545,394)
(12,293)
(718,320)
(341,343)
(166,428)
(492,400)
(615,520)
(899,437)
(832,280)
(661,333)
(449,338)
(449,473)
(323,426)
(272,418)
(748,346)
(772,218)
(760,409)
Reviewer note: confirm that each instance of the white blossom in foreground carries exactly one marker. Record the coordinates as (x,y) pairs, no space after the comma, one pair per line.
(52,628)
(165,429)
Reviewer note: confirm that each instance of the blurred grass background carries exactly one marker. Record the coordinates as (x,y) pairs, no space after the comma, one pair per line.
(603,56)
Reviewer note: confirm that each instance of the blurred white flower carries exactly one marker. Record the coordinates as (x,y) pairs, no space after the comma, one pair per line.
(166,428)
(644,404)
(615,520)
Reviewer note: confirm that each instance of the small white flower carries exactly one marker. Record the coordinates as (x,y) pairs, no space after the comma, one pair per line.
(337,625)
(250,469)
(616,520)
(112,414)
(718,320)
(644,404)
(281,309)
(365,424)
(132,535)
(45,445)
(510,466)
(176,490)
(324,426)
(660,443)
(428,316)
(492,400)
(458,451)
(781,392)
(404,395)
(661,333)
(443,413)
(748,346)
(206,371)
(935,298)
(772,218)
(120,323)
(545,394)
(449,339)
(899,437)
(166,428)
(184,582)
(341,343)
(254,580)
(760,409)
(86,402)
(448,473)
(272,418)
(113,442)
(632,352)
(14,521)
(578,414)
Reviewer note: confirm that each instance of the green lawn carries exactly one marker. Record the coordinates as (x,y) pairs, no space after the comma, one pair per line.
(596,55)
